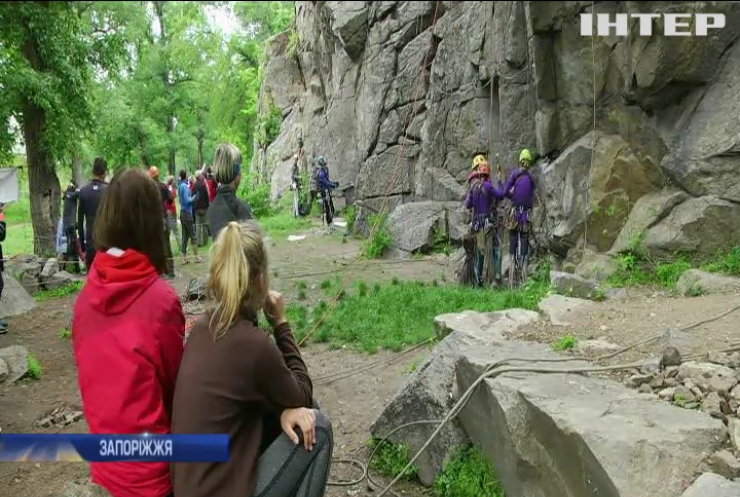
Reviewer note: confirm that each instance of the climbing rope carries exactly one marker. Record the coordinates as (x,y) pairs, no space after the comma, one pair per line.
(500,367)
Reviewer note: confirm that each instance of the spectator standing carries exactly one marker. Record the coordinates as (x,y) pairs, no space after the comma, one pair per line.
(227,207)
(89,200)
(201,208)
(187,217)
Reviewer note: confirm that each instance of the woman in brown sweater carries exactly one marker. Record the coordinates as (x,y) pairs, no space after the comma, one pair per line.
(236,379)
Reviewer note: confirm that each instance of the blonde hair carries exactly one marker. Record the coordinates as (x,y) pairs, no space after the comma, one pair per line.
(238,276)
(226,156)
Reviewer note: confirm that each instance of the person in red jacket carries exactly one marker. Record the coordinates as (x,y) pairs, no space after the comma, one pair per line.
(128,332)
(212,185)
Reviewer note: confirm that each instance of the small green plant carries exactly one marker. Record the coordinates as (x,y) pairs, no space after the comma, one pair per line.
(413,366)
(565,343)
(380,238)
(395,280)
(679,400)
(326,284)
(301,295)
(696,291)
(599,295)
(350,216)
(274,273)
(301,285)
(65,333)
(63,291)
(293,43)
(726,264)
(362,289)
(669,273)
(34,368)
(390,459)
(468,474)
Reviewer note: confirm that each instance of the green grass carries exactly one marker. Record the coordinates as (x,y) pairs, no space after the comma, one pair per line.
(379,241)
(283,224)
(468,474)
(34,368)
(390,459)
(397,315)
(728,263)
(565,343)
(63,291)
(65,333)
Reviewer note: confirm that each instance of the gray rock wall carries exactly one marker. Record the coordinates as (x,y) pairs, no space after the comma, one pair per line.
(399,96)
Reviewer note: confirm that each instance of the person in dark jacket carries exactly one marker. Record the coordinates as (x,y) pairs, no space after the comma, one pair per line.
(69,227)
(325,186)
(227,207)
(89,200)
(3,230)
(167,201)
(201,208)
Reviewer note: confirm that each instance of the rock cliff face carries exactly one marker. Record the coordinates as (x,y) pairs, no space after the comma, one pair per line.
(638,134)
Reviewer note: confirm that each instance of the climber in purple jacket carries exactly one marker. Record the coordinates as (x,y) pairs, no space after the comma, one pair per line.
(520,189)
(483,199)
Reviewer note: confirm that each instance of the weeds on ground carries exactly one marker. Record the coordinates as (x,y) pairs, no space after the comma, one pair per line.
(301,285)
(565,343)
(283,223)
(390,459)
(380,238)
(65,333)
(728,264)
(350,215)
(63,291)
(34,368)
(402,314)
(468,474)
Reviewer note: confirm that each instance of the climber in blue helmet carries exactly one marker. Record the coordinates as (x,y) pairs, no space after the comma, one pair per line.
(325,186)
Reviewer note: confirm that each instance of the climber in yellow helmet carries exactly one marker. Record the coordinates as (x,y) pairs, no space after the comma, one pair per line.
(520,189)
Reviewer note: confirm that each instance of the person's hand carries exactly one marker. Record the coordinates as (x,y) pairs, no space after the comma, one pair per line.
(275,308)
(303,418)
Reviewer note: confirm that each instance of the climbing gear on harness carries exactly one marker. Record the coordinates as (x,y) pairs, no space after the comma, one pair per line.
(478,160)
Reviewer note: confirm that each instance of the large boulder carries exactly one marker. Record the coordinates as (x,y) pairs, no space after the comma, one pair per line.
(594,266)
(696,282)
(419,225)
(647,212)
(15,299)
(594,193)
(712,485)
(16,359)
(580,436)
(572,285)
(429,392)
(559,308)
(701,226)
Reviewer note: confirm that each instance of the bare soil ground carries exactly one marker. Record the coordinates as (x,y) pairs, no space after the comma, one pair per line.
(352,402)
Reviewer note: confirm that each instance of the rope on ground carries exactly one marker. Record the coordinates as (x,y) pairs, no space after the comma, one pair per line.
(500,367)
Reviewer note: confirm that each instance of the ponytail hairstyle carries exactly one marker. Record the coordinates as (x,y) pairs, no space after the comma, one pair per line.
(238,276)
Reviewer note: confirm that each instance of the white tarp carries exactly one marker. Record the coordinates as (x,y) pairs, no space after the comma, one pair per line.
(9,185)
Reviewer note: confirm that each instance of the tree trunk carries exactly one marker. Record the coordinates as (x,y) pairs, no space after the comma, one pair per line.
(43,183)
(200,137)
(78,172)
(171,166)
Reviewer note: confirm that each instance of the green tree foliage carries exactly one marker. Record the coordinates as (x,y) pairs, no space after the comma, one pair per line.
(139,83)
(50,53)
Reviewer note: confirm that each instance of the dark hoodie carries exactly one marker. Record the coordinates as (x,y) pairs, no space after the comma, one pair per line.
(128,330)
